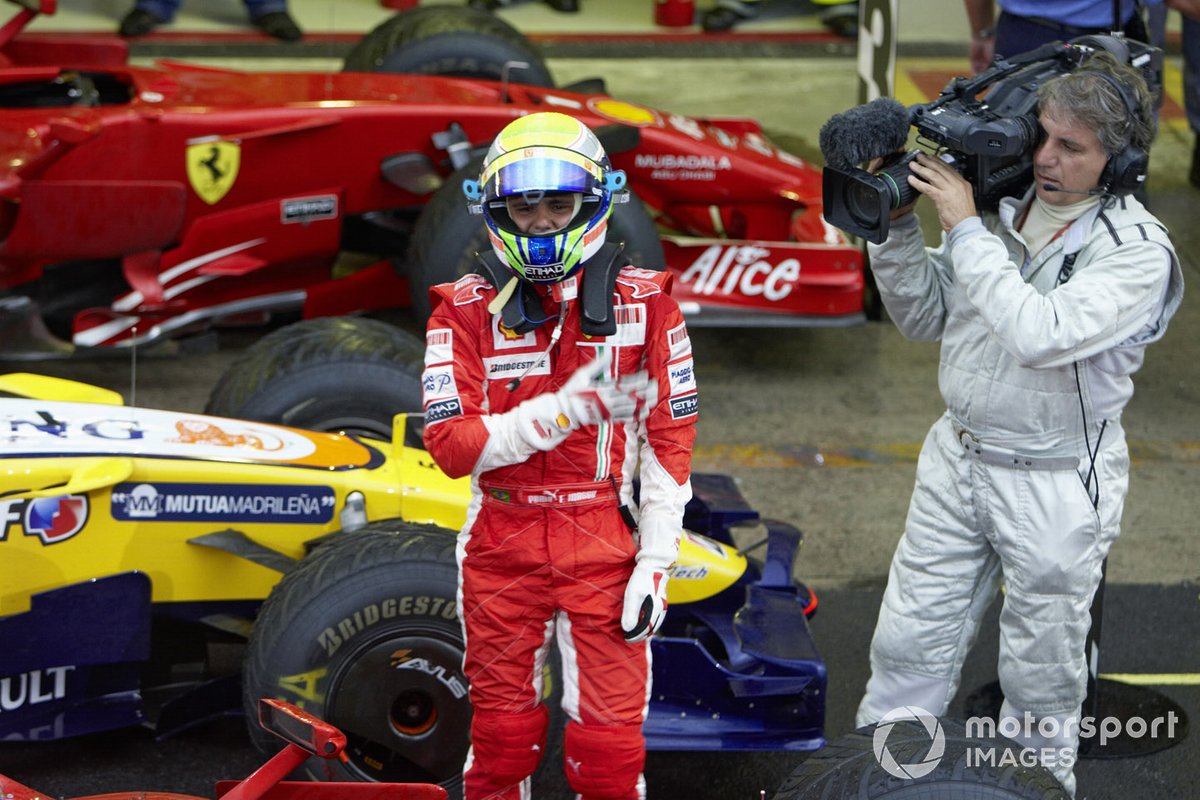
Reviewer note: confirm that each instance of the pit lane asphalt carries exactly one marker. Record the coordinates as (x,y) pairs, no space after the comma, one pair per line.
(821,428)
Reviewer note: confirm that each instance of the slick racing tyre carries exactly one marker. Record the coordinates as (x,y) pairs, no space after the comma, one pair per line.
(455,42)
(364,633)
(347,374)
(943,765)
(446,239)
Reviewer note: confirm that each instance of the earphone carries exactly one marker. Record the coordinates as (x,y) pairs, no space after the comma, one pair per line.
(1126,169)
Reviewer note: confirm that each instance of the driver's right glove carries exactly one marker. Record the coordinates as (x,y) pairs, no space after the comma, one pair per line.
(645,602)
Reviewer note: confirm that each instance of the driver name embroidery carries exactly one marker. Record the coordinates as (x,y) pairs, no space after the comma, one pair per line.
(212,167)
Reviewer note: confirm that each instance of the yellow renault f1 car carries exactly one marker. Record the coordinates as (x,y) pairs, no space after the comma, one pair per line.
(141,548)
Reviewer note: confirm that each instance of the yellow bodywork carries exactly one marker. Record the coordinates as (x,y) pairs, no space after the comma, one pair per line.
(115,489)
(45,387)
(394,481)
(705,568)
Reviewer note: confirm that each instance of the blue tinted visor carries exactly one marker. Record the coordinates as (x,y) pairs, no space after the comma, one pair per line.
(540,174)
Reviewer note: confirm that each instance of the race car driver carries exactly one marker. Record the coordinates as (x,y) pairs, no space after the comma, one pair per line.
(1044,312)
(548,376)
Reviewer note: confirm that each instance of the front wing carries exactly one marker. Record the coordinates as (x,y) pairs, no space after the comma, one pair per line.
(748,680)
(72,664)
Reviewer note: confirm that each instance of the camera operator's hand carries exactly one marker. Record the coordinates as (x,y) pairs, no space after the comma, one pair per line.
(948,190)
(982,51)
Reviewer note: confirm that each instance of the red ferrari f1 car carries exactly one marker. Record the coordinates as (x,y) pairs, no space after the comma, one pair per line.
(145,204)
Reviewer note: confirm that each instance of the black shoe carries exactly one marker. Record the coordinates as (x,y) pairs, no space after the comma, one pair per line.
(842,20)
(726,15)
(138,23)
(484,5)
(280,25)
(1194,175)
(570,6)
(719,19)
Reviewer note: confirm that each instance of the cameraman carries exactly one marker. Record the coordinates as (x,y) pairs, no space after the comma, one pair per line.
(1044,310)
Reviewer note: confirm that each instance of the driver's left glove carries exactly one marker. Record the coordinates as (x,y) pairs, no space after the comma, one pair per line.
(645,604)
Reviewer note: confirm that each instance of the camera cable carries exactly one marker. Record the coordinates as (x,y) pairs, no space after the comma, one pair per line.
(1093,454)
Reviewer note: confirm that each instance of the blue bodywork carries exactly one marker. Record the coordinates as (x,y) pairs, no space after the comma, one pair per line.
(72,664)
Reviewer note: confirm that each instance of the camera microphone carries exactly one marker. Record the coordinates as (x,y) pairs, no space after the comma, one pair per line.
(1090,192)
(864,132)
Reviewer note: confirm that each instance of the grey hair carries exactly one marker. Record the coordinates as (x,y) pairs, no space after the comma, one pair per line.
(1091,100)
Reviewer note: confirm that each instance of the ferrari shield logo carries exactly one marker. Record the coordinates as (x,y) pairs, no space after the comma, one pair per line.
(212,167)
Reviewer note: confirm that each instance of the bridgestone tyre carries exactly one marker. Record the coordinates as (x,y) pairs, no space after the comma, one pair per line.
(446,239)
(848,769)
(450,41)
(364,633)
(328,374)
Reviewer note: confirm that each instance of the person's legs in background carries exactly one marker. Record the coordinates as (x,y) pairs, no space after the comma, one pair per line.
(146,15)
(269,16)
(272,18)
(1015,35)
(1191,89)
(839,16)
(569,6)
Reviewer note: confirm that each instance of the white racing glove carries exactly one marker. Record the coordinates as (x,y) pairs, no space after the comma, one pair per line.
(589,397)
(646,592)
(645,601)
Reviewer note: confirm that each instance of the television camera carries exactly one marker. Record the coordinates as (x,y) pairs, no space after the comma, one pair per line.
(985,126)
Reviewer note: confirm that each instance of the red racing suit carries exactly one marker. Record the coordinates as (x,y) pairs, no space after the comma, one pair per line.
(546,549)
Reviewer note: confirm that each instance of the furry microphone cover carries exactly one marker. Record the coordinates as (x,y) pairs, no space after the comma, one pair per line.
(864,132)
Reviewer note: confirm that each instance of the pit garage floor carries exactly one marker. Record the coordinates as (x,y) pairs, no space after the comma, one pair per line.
(820,426)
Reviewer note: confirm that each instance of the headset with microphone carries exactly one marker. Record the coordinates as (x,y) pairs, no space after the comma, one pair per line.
(1090,192)
(1125,171)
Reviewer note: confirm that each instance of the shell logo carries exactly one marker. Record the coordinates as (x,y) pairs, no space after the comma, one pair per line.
(620,111)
